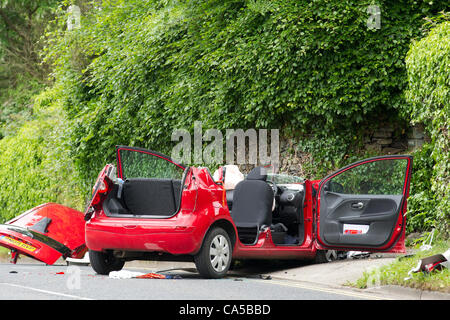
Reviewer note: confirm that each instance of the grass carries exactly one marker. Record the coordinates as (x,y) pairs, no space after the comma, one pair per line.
(396,272)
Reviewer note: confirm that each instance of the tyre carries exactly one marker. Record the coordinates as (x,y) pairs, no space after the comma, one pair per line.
(324,256)
(105,262)
(214,257)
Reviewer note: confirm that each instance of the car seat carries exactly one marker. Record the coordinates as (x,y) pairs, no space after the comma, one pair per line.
(252,205)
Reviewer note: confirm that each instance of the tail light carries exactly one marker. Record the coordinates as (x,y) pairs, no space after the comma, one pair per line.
(100,191)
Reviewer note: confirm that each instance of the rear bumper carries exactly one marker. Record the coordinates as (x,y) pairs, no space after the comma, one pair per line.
(174,241)
(25,243)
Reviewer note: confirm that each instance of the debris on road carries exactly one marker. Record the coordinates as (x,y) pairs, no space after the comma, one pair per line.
(125,274)
(432,263)
(173,277)
(357,255)
(151,276)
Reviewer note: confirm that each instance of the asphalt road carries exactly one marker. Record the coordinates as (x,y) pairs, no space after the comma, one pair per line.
(36,281)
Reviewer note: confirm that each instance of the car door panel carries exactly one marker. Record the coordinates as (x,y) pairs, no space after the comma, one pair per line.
(356,213)
(378,214)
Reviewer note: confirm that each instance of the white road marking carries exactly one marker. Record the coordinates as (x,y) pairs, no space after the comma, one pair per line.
(45,291)
(327,290)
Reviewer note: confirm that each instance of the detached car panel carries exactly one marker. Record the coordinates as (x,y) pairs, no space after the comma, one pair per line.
(45,233)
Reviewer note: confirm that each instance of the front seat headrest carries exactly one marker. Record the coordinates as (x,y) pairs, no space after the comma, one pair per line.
(258,173)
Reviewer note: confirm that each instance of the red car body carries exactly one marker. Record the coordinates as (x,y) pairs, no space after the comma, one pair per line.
(45,233)
(378,217)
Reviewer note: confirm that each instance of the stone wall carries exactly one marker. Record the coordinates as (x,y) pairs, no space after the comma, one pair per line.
(385,140)
(391,140)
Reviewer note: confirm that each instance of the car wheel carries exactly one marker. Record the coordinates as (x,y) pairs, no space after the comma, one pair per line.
(214,258)
(324,256)
(105,262)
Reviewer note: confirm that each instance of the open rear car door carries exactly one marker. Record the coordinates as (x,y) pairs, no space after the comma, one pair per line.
(45,233)
(363,205)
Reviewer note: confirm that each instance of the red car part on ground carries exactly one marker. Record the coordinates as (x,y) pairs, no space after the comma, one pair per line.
(45,233)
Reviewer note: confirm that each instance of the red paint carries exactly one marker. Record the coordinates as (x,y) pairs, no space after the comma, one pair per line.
(66,229)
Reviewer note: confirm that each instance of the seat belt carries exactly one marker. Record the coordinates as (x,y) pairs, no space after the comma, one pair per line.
(119,192)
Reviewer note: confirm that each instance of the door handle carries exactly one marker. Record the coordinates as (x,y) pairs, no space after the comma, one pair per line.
(357,205)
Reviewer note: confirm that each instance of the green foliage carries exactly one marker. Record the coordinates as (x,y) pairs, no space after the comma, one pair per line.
(422,214)
(429,95)
(35,166)
(21,74)
(16,105)
(22,23)
(141,165)
(138,68)
(331,150)
(397,272)
(385,177)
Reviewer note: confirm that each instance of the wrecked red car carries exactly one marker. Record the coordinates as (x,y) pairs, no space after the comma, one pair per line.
(150,207)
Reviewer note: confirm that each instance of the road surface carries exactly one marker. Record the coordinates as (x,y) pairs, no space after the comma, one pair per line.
(37,281)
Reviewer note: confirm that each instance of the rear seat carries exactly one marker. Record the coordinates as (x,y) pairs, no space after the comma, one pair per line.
(158,197)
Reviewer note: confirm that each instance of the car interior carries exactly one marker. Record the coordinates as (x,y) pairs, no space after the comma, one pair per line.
(144,197)
(257,203)
(152,189)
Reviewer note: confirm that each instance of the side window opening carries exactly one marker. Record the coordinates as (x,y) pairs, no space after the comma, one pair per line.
(385,177)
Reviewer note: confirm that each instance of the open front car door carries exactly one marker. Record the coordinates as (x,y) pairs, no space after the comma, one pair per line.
(363,205)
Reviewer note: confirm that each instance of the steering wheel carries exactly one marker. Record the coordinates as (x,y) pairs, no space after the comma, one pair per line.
(274,187)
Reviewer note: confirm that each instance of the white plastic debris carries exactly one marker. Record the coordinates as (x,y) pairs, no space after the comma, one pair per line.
(357,254)
(429,264)
(428,241)
(446,254)
(85,260)
(124,274)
